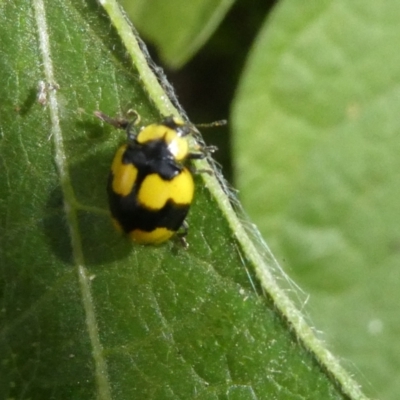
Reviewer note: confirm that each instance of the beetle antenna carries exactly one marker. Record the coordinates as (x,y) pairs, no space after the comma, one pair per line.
(118,123)
(214,124)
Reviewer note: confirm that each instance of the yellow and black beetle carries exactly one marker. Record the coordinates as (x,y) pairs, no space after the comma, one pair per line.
(150,189)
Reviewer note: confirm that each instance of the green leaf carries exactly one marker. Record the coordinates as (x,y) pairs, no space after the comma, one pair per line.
(86,314)
(177,28)
(317,142)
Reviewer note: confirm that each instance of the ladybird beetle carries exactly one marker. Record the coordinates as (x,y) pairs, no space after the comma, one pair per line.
(150,189)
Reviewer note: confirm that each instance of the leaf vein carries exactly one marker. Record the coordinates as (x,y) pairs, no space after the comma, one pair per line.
(103,385)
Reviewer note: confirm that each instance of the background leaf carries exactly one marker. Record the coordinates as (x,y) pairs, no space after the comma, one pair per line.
(317,146)
(177,28)
(86,314)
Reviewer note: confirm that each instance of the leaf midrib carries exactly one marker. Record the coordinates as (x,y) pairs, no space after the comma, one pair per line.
(70,208)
